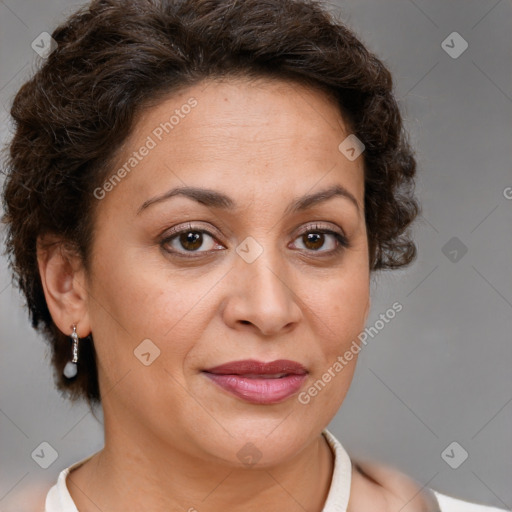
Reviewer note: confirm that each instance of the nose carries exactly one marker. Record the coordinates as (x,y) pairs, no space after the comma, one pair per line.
(261,297)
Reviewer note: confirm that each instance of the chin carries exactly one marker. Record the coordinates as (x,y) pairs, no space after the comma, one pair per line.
(258,444)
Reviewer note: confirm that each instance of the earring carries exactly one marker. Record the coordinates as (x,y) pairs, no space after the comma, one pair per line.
(70,370)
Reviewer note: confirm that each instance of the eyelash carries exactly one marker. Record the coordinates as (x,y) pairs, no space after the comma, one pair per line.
(342,240)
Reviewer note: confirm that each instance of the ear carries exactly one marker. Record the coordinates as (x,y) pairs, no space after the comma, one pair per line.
(64,284)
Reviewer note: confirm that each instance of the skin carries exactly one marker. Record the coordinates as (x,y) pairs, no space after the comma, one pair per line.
(171,435)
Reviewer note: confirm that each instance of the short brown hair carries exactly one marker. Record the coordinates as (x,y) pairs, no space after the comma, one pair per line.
(114,56)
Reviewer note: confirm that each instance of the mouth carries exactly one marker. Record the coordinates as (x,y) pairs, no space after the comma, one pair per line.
(258,382)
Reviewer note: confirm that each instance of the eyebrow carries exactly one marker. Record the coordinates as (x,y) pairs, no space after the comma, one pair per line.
(214,199)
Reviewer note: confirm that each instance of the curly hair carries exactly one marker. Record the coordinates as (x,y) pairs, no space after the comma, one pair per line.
(115,57)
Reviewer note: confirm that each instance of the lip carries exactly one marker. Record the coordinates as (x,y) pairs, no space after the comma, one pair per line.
(252,366)
(258,382)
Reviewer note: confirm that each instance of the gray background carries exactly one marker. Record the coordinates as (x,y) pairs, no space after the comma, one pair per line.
(440,371)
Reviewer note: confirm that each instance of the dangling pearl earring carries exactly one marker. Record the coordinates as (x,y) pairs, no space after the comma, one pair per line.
(70,370)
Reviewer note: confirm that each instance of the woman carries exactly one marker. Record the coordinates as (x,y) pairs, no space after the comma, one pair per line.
(198,193)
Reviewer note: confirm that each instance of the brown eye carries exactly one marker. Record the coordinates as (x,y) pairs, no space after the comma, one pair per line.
(322,240)
(190,241)
(313,241)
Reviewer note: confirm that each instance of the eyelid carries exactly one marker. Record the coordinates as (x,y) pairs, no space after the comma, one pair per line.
(175,231)
(342,240)
(189,226)
(317,226)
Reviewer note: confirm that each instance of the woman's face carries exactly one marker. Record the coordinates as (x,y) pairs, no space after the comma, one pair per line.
(243,281)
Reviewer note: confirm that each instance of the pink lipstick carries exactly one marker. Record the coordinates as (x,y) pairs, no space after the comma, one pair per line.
(257,382)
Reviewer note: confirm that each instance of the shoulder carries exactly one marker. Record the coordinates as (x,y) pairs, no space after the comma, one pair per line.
(396,489)
(450,504)
(400,489)
(32,496)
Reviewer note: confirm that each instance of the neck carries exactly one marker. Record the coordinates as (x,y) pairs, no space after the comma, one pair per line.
(173,480)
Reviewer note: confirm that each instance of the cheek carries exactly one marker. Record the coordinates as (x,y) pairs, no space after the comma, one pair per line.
(340,305)
(338,315)
(134,301)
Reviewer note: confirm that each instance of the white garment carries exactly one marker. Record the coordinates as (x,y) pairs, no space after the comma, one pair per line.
(59,499)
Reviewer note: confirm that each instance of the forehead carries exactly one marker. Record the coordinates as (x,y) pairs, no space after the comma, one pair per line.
(253,138)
